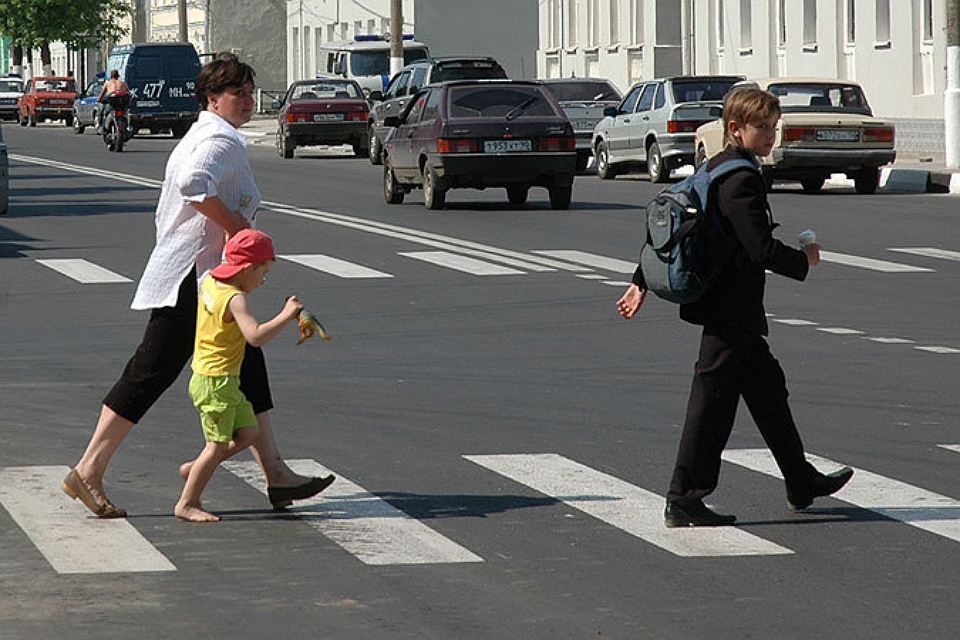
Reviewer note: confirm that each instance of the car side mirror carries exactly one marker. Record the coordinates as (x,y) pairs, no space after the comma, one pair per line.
(375,96)
(275,105)
(391,121)
(611,112)
(340,68)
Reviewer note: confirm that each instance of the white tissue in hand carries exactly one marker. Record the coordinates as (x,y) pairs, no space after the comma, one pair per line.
(808,236)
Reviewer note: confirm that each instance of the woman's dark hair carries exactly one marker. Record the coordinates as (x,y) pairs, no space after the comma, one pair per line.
(222,73)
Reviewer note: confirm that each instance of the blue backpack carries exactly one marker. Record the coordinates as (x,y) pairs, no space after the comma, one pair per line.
(679,253)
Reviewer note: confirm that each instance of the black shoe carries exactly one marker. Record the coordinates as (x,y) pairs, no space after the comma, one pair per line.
(694,515)
(281,497)
(822,485)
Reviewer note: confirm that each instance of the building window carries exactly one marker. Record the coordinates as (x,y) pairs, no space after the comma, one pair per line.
(295,39)
(746,25)
(928,21)
(571,23)
(614,22)
(883,22)
(636,21)
(593,23)
(721,31)
(850,15)
(810,24)
(553,24)
(782,23)
(307,53)
(371,27)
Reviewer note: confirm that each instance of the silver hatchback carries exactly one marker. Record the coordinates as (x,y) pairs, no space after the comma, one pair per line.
(654,125)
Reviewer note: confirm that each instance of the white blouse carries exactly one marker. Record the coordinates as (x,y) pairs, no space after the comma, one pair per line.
(211,160)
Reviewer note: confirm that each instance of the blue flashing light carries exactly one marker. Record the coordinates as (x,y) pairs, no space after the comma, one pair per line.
(378,38)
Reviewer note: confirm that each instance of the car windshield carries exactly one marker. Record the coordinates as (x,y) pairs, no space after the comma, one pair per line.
(583,91)
(821,98)
(377,63)
(468,70)
(324,90)
(10,86)
(55,85)
(709,90)
(498,102)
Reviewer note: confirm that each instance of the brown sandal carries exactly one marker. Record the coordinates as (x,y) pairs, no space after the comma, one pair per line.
(75,487)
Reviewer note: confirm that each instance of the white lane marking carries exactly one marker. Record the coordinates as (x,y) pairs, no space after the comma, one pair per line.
(894,499)
(617,283)
(938,349)
(637,511)
(592,260)
(460,263)
(70,537)
(795,322)
(840,331)
(83,271)
(890,340)
(90,171)
(929,252)
(591,276)
(870,263)
(361,523)
(335,266)
(950,447)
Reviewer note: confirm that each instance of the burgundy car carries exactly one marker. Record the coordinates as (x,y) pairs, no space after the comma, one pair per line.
(322,111)
(478,134)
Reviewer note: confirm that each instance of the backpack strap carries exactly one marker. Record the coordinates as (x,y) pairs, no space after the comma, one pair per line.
(727,166)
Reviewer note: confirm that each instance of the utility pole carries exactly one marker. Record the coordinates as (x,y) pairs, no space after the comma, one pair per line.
(182,15)
(396,36)
(951,96)
(686,36)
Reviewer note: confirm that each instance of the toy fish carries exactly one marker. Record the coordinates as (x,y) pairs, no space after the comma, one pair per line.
(310,326)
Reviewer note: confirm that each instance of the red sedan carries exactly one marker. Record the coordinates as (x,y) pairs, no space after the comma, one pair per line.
(323,111)
(48,97)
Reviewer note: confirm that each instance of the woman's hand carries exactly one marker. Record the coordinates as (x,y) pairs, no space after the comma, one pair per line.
(631,301)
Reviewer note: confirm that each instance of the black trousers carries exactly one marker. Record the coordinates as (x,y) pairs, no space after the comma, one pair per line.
(734,363)
(166,348)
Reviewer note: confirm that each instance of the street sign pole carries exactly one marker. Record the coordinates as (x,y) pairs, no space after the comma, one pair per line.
(951,95)
(396,36)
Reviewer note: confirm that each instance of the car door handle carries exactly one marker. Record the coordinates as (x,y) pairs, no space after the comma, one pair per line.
(626,121)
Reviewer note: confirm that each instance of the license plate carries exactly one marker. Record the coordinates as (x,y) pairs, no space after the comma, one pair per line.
(8,101)
(506,146)
(59,101)
(838,135)
(580,125)
(327,117)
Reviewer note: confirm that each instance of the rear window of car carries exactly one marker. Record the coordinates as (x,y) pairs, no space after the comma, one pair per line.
(56,85)
(325,90)
(583,91)
(467,70)
(498,102)
(10,86)
(817,97)
(700,90)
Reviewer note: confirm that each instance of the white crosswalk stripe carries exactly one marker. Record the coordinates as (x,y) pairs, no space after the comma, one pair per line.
(894,499)
(361,523)
(335,266)
(591,260)
(634,510)
(68,536)
(461,263)
(83,271)
(950,447)
(929,252)
(870,263)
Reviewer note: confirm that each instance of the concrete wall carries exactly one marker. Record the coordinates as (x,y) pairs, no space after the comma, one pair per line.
(254,29)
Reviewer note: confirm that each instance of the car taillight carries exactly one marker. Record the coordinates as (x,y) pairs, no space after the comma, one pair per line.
(798,134)
(297,117)
(358,116)
(556,143)
(684,126)
(456,145)
(878,134)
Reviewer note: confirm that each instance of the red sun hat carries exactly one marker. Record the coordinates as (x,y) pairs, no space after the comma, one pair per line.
(245,248)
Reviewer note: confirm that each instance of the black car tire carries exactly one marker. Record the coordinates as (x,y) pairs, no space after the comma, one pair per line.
(560,197)
(376,149)
(78,127)
(655,167)
(434,196)
(583,159)
(285,145)
(866,181)
(179,130)
(392,192)
(361,150)
(812,185)
(68,119)
(517,194)
(605,170)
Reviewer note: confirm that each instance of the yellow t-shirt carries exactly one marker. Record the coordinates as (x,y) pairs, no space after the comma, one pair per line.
(219,345)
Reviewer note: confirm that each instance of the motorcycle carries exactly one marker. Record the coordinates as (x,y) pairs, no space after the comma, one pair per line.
(116,126)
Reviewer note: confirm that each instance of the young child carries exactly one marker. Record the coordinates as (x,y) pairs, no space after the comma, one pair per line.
(224,324)
(735,359)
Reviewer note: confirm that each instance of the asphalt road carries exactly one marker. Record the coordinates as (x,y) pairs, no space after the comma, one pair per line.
(434,397)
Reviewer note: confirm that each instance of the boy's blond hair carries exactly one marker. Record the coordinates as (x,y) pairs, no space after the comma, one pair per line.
(748,105)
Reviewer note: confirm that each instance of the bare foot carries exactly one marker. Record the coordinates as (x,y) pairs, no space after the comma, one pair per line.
(193,513)
(185,469)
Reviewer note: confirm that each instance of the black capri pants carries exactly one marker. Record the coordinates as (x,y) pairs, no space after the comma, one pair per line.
(167,347)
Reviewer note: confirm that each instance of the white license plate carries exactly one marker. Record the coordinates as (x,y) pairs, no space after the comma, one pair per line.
(580,125)
(327,117)
(838,135)
(59,101)
(506,146)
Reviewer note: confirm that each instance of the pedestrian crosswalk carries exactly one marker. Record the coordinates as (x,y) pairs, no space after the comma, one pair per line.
(377,533)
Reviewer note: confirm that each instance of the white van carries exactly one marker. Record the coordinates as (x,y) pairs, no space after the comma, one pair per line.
(366,59)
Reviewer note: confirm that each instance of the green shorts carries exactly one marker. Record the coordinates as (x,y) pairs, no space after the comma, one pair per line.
(223,407)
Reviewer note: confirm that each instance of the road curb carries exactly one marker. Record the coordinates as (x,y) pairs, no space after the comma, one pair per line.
(911,180)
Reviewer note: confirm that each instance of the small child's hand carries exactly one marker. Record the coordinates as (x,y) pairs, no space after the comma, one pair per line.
(292,307)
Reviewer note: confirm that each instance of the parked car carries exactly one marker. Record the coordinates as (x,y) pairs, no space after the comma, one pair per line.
(322,111)
(49,97)
(653,126)
(583,101)
(826,127)
(479,134)
(86,107)
(418,74)
(11,88)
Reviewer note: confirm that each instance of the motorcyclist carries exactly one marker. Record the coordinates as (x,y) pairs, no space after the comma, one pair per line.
(110,86)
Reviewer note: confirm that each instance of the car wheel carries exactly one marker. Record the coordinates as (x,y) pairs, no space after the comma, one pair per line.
(604,170)
(560,197)
(517,194)
(583,159)
(392,192)
(658,172)
(700,157)
(179,130)
(434,197)
(866,181)
(376,150)
(68,120)
(812,185)
(285,145)
(78,127)
(361,150)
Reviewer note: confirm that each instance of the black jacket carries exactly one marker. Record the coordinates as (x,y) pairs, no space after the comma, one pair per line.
(736,298)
